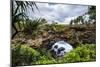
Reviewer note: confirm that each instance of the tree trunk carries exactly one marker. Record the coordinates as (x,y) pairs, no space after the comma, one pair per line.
(16,31)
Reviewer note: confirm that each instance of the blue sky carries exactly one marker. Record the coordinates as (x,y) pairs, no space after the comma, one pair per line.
(61,13)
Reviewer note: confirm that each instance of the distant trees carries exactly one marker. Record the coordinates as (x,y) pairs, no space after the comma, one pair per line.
(54,22)
(71,22)
(87,18)
(78,20)
(90,16)
(92,12)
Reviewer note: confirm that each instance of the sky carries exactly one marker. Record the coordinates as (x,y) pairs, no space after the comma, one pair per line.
(60,13)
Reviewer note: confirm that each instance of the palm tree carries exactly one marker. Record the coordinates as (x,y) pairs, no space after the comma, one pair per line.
(19,9)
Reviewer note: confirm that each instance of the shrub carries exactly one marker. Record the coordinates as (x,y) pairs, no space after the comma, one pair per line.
(23,55)
(44,59)
(81,54)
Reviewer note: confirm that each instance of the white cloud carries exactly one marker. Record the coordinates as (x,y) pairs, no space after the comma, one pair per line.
(58,12)
(69,19)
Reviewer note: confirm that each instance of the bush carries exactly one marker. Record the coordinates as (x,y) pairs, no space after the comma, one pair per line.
(23,55)
(44,59)
(83,53)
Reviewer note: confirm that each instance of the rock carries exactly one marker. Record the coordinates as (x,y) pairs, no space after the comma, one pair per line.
(60,48)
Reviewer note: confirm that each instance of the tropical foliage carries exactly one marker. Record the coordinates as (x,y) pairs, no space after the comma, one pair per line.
(32,38)
(19,9)
(25,55)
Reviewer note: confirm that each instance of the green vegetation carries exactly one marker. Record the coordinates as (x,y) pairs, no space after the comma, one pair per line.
(18,14)
(31,39)
(82,53)
(30,47)
(25,55)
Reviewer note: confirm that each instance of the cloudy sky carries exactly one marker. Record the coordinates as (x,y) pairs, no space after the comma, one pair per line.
(61,13)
